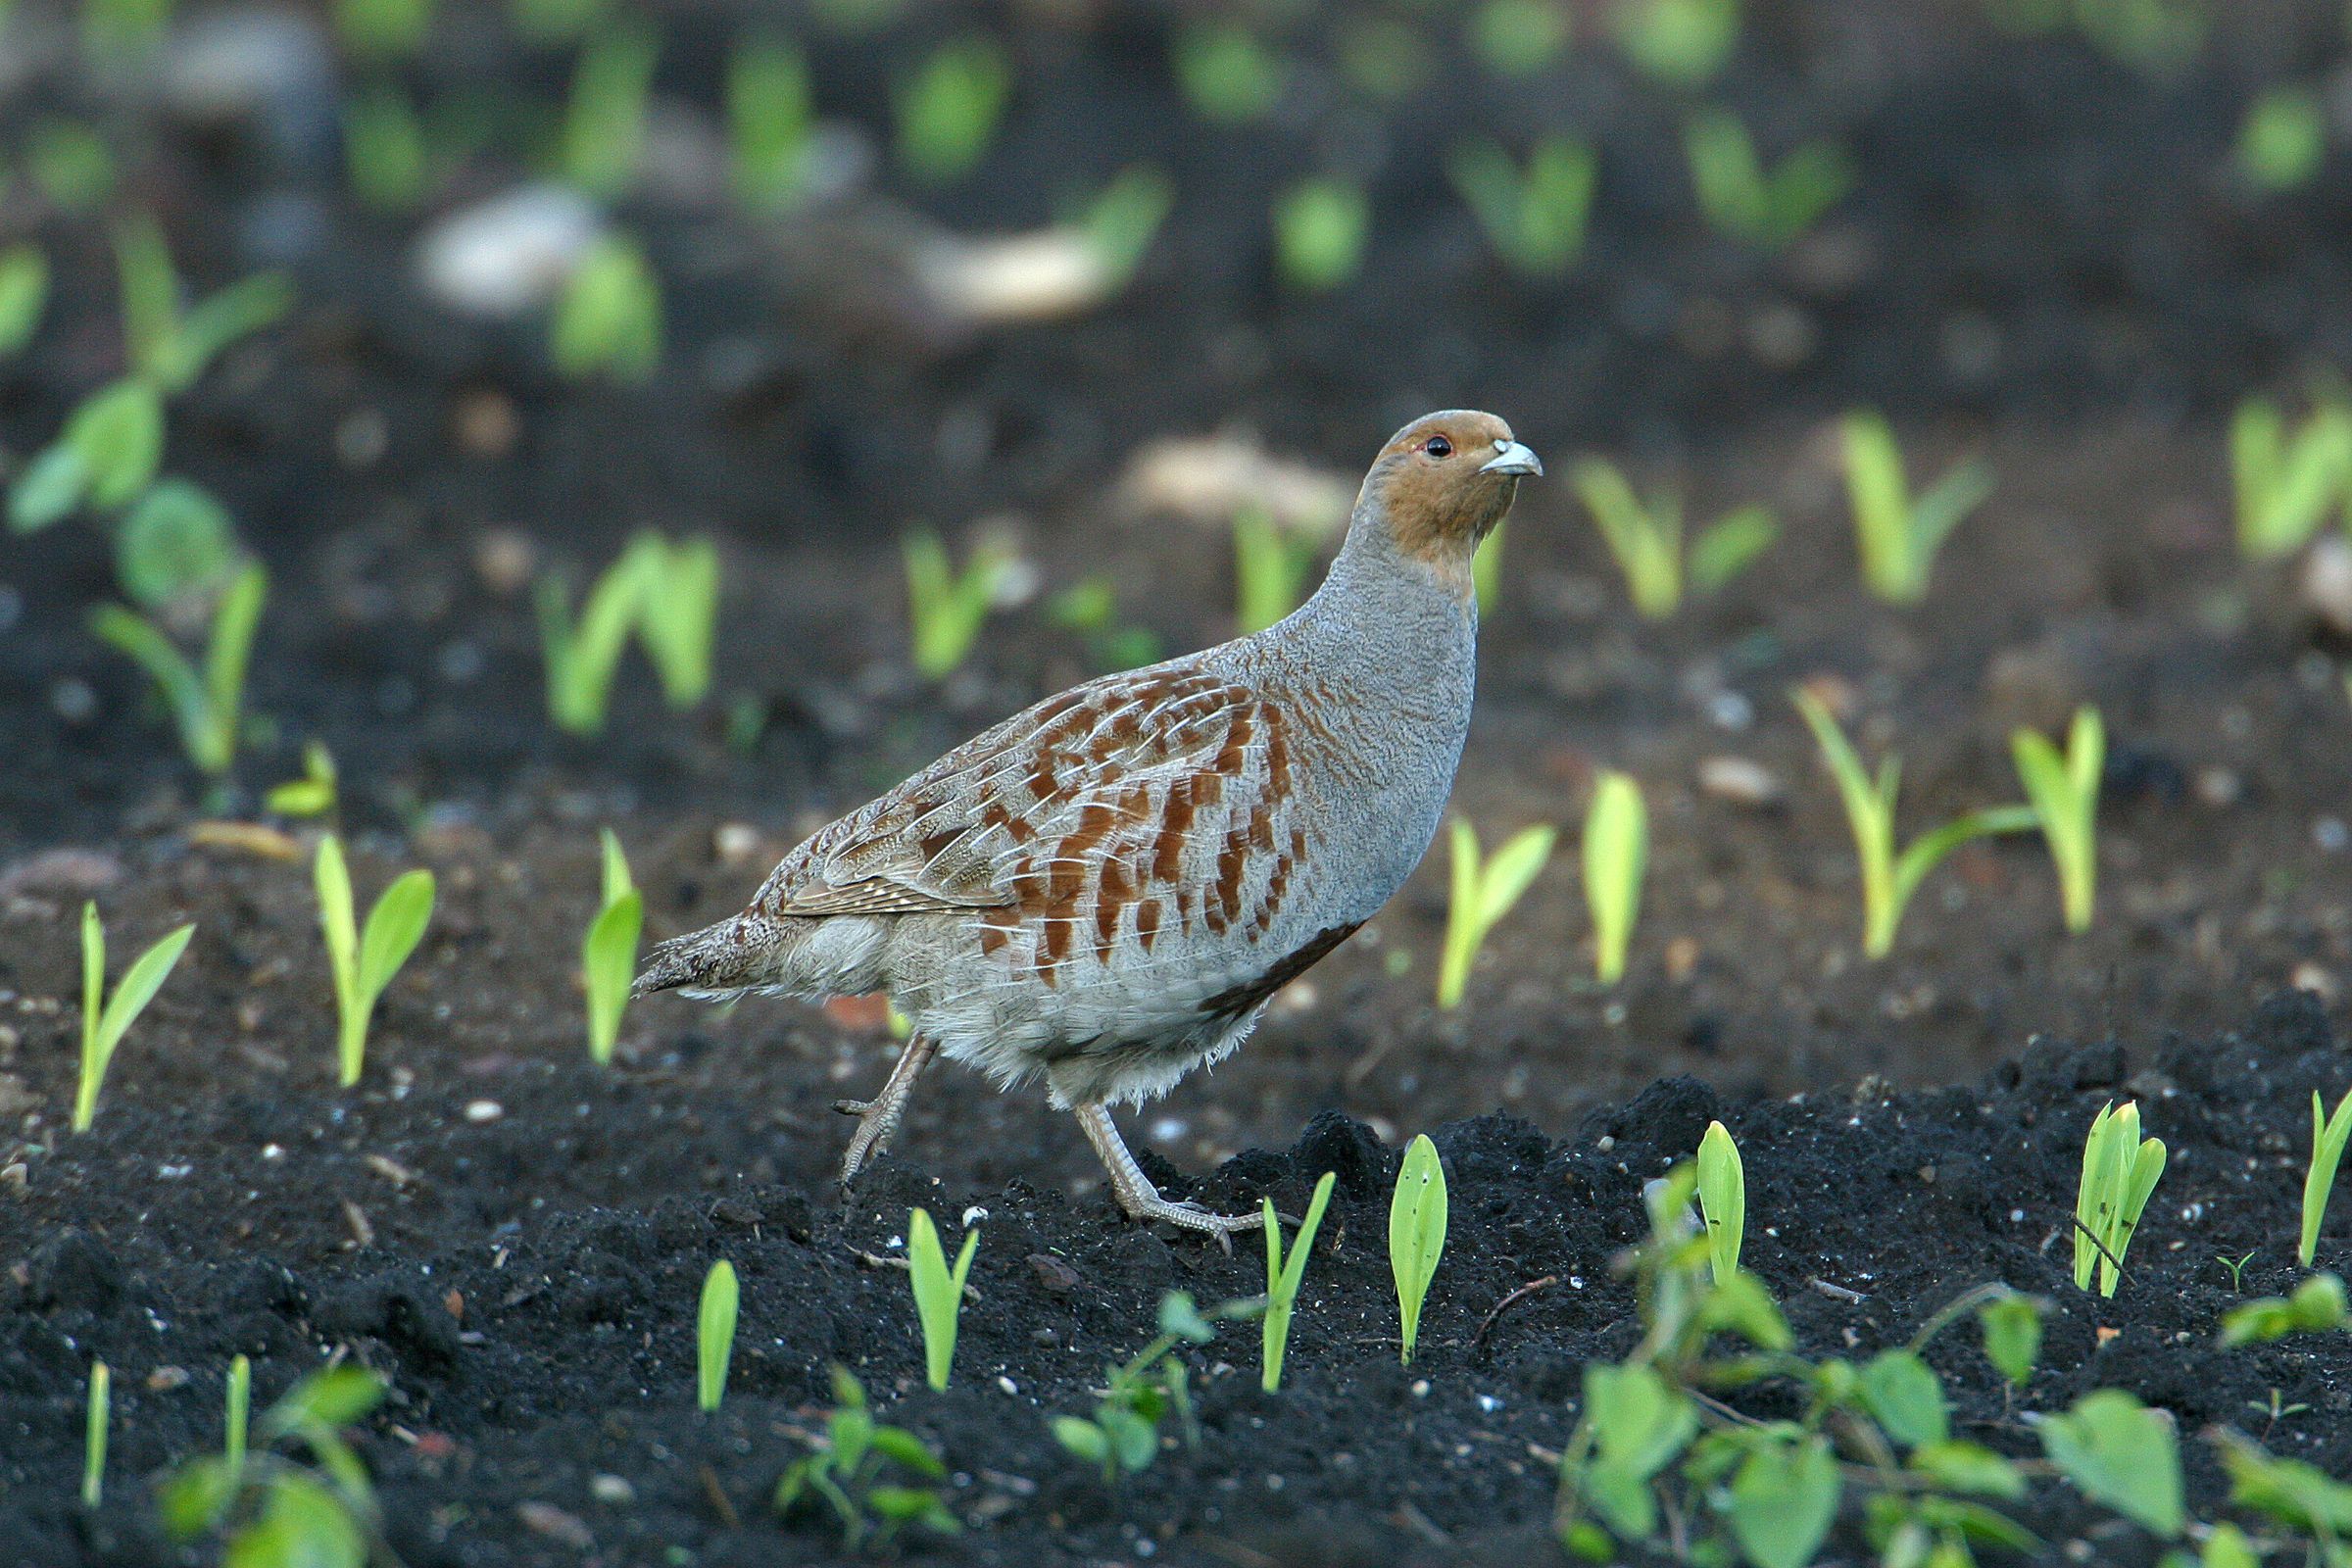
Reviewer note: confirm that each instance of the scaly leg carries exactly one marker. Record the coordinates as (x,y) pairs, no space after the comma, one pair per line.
(878,1117)
(1135,1192)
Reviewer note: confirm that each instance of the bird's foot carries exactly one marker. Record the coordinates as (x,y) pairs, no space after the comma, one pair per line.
(1189,1215)
(878,1117)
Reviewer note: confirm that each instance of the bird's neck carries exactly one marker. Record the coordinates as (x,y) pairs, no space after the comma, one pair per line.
(1399,618)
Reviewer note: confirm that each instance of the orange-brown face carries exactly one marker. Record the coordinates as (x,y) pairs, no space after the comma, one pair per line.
(1446,480)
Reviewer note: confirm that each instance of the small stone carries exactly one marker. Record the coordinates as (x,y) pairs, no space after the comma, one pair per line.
(2326,588)
(1682,959)
(546,1519)
(612,1489)
(486,425)
(506,560)
(2313,978)
(164,1379)
(2218,787)
(484,1110)
(1740,781)
(1052,1274)
(735,842)
(501,258)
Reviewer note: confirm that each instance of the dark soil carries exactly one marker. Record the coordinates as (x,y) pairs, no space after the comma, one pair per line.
(2048,259)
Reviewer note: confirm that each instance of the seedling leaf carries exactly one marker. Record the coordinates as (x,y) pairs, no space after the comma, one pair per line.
(1283,1276)
(2119,1452)
(1616,851)
(1784,1499)
(1417,1218)
(938,1291)
(2329,1135)
(714,1335)
(103,1028)
(1722,1199)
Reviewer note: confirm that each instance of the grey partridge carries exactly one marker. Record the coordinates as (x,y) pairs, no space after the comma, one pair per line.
(1104,891)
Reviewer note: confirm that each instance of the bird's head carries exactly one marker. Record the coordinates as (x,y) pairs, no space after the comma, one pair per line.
(1441,484)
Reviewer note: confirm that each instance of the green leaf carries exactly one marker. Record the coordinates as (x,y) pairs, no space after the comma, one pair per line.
(609,962)
(1417,1220)
(50,488)
(1722,1199)
(120,433)
(770,114)
(1081,1438)
(23,290)
(393,928)
(715,1333)
(1739,1303)
(679,619)
(1967,1467)
(174,539)
(1616,850)
(1134,1441)
(332,1400)
(949,110)
(303,1525)
(2315,1307)
(194,1497)
(174,676)
(150,292)
(1639,1425)
(332,878)
(2329,1135)
(2119,1452)
(238,310)
(227,654)
(2012,1327)
(905,1450)
(1907,1397)
(608,320)
(1784,1499)
(1511,870)
(2297,1495)
(138,988)
(1646,540)
(1730,545)
(1180,1319)
(938,1291)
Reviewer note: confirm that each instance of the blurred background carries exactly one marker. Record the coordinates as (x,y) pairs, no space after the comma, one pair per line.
(888,366)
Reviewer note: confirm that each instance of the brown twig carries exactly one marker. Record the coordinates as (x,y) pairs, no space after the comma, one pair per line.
(1478,1340)
(719,1500)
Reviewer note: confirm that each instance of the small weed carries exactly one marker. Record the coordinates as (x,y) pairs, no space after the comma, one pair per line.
(1722,1199)
(938,1291)
(2119,1172)
(2315,1307)
(363,962)
(208,707)
(1646,539)
(103,1020)
(1483,893)
(1616,854)
(2119,1452)
(604,121)
(770,114)
(1533,216)
(1417,1215)
(583,655)
(2237,1271)
(845,1472)
(1124,218)
(93,1435)
(385,154)
(609,952)
(1889,879)
(1320,225)
(273,1509)
(948,111)
(2329,1135)
(312,795)
(2064,792)
(2283,140)
(948,607)
(105,457)
(1682,43)
(607,321)
(2011,1324)
(1270,567)
(1285,1276)
(1123,1434)
(1519,37)
(2285,484)
(171,347)
(1229,78)
(24,291)
(1767,210)
(714,1335)
(677,616)
(1901,534)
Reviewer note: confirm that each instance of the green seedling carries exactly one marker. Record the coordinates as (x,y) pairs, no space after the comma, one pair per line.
(1682,43)
(2064,792)
(1270,567)
(272,1509)
(609,952)
(1901,534)
(1722,1199)
(171,347)
(1285,1276)
(106,1020)
(207,705)
(24,291)
(1124,218)
(714,1335)
(582,655)
(677,617)
(947,605)
(1646,539)
(1483,893)
(1616,853)
(2236,1269)
(949,111)
(69,163)
(385,153)
(1889,879)
(2011,1325)
(2287,484)
(2315,1307)
(1518,37)
(608,320)
(554,21)
(2156,37)
(107,455)
(2283,140)
(1122,1436)
(2329,1135)
(1768,210)
(237,1418)
(364,962)
(93,1435)
(1533,216)
(1320,225)
(312,795)
(1416,1234)
(2119,1173)
(770,115)
(938,1291)
(845,1470)
(2299,1497)
(604,123)
(2119,1452)
(1228,76)
(382,30)
(176,541)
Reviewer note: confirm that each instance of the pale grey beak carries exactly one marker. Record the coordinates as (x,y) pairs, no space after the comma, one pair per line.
(1512,459)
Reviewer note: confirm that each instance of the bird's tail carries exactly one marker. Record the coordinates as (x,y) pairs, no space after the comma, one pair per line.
(735,955)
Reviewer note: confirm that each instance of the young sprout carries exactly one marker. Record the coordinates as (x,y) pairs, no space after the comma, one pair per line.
(2317,1308)
(948,607)
(609,953)
(1123,1434)
(1229,78)
(1285,1276)
(604,123)
(23,290)
(845,1471)
(948,113)
(174,542)
(1616,850)
(715,1333)
(1646,539)
(1682,43)
(1722,1199)
(1518,37)
(169,348)
(1416,1234)
(2329,1135)
(1533,216)
(208,707)
(382,30)
(1483,893)
(105,458)
(313,794)
(1270,564)
(1899,533)
(1889,879)
(2011,1324)
(2064,792)
(2283,140)
(105,1021)
(608,320)
(275,1510)
(2119,1174)
(69,163)
(1766,209)
(1124,218)
(768,119)
(238,1417)
(2286,484)
(1320,225)
(93,1436)
(938,1291)
(385,155)
(365,960)
(582,655)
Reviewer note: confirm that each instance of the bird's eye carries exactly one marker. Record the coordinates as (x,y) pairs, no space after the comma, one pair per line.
(1437,446)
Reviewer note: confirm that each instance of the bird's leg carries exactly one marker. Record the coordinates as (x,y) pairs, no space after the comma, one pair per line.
(878,1117)
(1135,1192)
